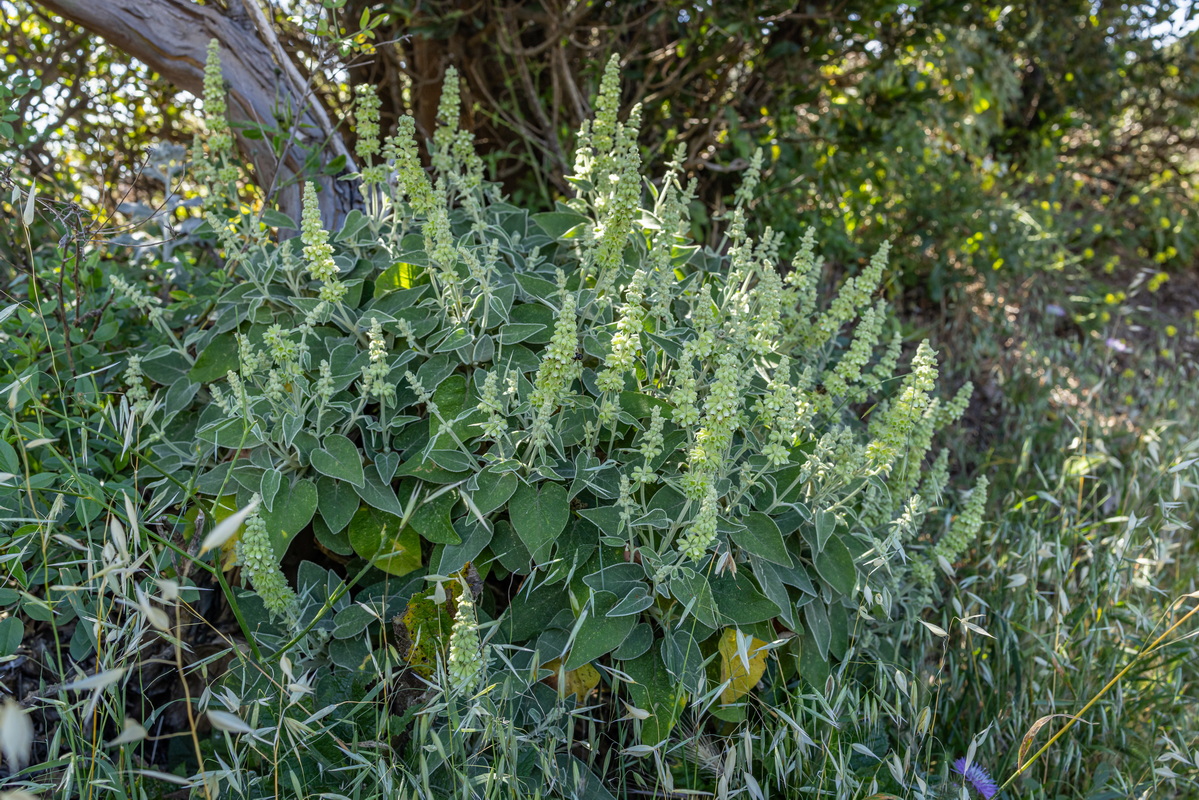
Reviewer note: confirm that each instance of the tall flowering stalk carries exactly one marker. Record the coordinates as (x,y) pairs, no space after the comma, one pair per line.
(318,253)
(258,561)
(559,367)
(466,658)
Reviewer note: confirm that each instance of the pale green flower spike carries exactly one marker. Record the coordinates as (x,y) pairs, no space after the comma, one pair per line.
(466,659)
(318,253)
(848,371)
(324,383)
(684,394)
(900,419)
(220,142)
(366,115)
(559,367)
(702,532)
(448,112)
(411,179)
(963,531)
(258,561)
(375,374)
(150,306)
(136,392)
(626,194)
(651,447)
(722,415)
(854,295)
(607,106)
(490,403)
(626,342)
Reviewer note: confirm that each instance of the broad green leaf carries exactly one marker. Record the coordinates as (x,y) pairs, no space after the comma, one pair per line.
(493,489)
(817,534)
(739,600)
(617,578)
(452,557)
(816,617)
(636,643)
(655,691)
(337,502)
(400,275)
(557,224)
(641,406)
(606,518)
(379,495)
(431,517)
(216,360)
(838,620)
(12,631)
(294,507)
(274,218)
(835,565)
(452,460)
(269,486)
(684,657)
(761,537)
(634,602)
(599,634)
(379,538)
(812,667)
(339,458)
(692,591)
(539,515)
(509,550)
(515,332)
(536,314)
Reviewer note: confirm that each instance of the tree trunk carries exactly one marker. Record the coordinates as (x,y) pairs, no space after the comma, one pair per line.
(264,92)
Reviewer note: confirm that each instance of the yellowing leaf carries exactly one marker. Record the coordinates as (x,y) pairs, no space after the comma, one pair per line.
(579,682)
(742,664)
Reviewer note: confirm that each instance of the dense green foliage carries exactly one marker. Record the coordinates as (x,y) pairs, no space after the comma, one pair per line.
(588,483)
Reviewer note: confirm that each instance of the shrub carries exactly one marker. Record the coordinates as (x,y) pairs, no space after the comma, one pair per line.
(576,438)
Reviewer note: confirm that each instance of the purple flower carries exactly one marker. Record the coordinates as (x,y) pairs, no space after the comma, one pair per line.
(1118,345)
(977,777)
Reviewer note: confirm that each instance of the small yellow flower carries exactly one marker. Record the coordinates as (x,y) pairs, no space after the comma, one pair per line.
(1128,374)
(1135,200)
(1171,331)
(1088,253)
(1097,228)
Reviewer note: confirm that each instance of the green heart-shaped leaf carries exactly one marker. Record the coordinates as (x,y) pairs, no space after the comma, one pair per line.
(539,516)
(379,538)
(339,459)
(294,507)
(761,537)
(494,489)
